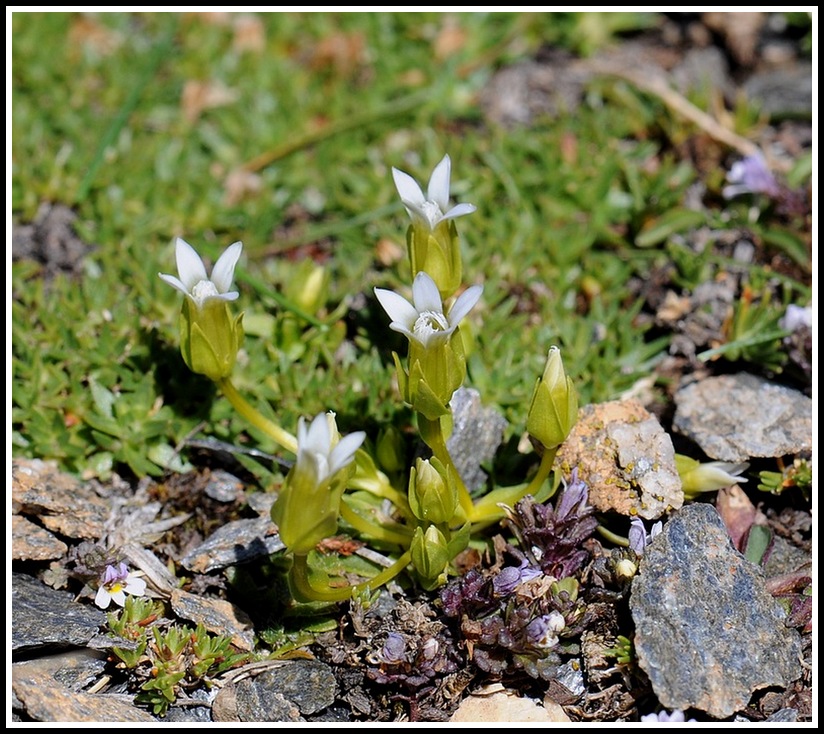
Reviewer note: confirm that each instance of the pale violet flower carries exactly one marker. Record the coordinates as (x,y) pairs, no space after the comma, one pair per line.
(117,581)
(317,459)
(543,631)
(432,209)
(638,537)
(193,280)
(750,175)
(796,318)
(664,717)
(424,320)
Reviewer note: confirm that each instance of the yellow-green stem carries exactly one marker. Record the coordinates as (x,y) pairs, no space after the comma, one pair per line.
(612,537)
(271,429)
(367,527)
(486,509)
(304,591)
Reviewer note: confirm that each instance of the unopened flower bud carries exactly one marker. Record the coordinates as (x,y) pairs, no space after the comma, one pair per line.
(430,556)
(554,407)
(433,494)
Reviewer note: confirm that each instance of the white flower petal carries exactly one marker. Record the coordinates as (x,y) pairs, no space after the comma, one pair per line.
(318,438)
(175,283)
(425,294)
(399,310)
(118,597)
(224,271)
(410,192)
(135,586)
(459,210)
(438,190)
(190,267)
(344,452)
(464,304)
(102,598)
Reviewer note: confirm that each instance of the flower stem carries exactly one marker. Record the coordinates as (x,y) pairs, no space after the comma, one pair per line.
(612,537)
(271,429)
(486,509)
(363,525)
(302,589)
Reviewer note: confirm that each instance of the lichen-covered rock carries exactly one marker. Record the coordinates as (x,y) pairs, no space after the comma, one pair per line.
(625,457)
(707,632)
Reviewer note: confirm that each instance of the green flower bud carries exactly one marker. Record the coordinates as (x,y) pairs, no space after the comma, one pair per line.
(430,556)
(554,407)
(433,494)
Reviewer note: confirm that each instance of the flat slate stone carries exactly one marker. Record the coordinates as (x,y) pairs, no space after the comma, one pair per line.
(235,542)
(736,417)
(63,503)
(285,693)
(43,617)
(707,632)
(30,542)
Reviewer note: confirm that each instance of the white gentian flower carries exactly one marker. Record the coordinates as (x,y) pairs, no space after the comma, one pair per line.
(423,320)
(116,583)
(432,209)
(195,283)
(317,459)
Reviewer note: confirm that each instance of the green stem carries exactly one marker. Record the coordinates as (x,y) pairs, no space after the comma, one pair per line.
(486,509)
(302,589)
(367,527)
(612,537)
(271,429)
(432,434)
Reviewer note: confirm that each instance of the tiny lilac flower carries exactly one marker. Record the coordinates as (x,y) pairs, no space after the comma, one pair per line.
(116,583)
(796,317)
(432,209)
(394,649)
(511,577)
(638,537)
(425,321)
(193,281)
(750,176)
(543,631)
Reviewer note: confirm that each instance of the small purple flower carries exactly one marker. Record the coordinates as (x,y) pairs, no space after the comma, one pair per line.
(664,717)
(117,581)
(394,649)
(543,631)
(574,497)
(511,577)
(796,318)
(751,176)
(638,537)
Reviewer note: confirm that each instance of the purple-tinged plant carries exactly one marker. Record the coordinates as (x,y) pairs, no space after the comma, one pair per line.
(553,537)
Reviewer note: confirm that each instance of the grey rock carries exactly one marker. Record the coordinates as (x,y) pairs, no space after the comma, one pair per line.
(287,692)
(216,615)
(223,487)
(188,710)
(30,542)
(62,503)
(235,542)
(736,417)
(477,432)
(783,92)
(43,617)
(707,632)
(39,688)
(703,69)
